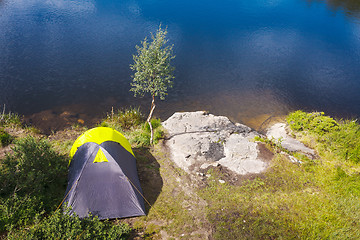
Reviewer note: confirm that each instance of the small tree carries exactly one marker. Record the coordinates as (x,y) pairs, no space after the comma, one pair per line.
(153,72)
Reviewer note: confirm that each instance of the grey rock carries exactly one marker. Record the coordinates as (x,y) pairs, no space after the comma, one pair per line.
(198,140)
(278,132)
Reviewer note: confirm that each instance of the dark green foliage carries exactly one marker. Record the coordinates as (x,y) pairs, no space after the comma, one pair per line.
(5,138)
(34,169)
(63,226)
(18,211)
(32,182)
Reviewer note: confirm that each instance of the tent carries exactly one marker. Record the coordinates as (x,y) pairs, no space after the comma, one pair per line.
(103,177)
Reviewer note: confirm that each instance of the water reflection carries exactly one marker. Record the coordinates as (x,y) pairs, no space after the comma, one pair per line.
(350,7)
(68,6)
(244,59)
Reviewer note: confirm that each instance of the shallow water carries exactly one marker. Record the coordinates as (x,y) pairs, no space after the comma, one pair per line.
(65,60)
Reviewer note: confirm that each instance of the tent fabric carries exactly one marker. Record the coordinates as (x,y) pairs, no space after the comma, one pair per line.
(99,135)
(103,179)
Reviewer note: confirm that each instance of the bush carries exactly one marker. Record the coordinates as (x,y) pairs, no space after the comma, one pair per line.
(5,138)
(313,122)
(61,225)
(34,169)
(18,211)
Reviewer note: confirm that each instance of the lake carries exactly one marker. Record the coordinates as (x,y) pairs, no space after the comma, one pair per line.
(63,61)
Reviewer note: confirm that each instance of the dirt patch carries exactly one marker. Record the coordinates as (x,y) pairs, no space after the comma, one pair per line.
(69,134)
(226,175)
(15,132)
(265,153)
(4,151)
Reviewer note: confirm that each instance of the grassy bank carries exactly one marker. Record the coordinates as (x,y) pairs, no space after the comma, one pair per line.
(317,199)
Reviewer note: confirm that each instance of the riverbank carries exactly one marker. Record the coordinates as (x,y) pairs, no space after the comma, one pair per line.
(310,198)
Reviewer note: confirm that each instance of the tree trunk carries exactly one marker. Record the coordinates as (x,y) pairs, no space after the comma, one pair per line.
(149,118)
(3,114)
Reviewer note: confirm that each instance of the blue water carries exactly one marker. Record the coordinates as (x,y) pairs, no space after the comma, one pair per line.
(243,59)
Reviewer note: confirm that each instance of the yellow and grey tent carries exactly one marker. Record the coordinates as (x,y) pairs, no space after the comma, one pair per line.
(103,177)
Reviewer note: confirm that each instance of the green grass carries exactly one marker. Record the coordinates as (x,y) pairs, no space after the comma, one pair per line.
(341,139)
(10,119)
(123,120)
(176,209)
(287,202)
(318,199)
(141,136)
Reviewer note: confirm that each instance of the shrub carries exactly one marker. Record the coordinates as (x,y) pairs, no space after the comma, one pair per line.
(61,225)
(5,138)
(34,169)
(313,122)
(18,211)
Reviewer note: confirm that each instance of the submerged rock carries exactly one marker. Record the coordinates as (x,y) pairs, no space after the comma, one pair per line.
(197,140)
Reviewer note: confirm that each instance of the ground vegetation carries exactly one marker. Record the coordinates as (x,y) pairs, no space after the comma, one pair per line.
(313,198)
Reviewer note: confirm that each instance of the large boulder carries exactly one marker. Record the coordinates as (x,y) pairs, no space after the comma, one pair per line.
(198,140)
